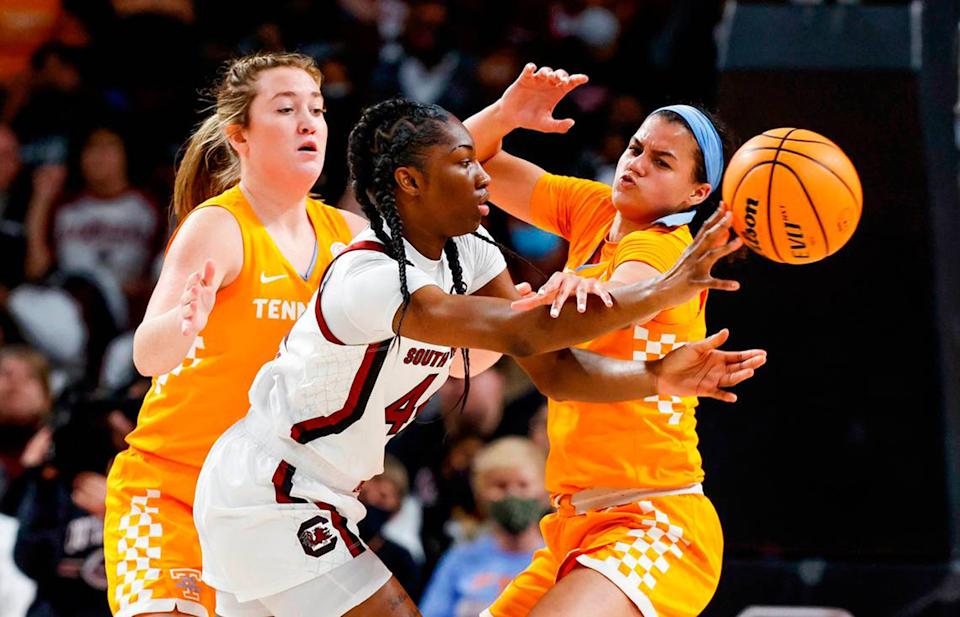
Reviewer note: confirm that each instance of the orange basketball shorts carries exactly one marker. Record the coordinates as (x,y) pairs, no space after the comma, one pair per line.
(150,545)
(664,553)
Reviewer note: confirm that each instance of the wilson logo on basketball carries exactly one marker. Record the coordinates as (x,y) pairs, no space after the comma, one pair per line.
(316,537)
(749,234)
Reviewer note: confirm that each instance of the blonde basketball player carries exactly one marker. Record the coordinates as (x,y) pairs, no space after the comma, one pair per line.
(633,533)
(239,270)
(276,504)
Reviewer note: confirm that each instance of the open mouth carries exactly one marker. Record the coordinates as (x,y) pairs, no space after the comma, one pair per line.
(484,197)
(307,147)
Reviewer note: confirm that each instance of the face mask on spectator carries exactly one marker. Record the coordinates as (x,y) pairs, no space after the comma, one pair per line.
(515,514)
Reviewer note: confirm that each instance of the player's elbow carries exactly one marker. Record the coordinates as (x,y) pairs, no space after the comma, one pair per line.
(145,360)
(144,366)
(522,345)
(550,383)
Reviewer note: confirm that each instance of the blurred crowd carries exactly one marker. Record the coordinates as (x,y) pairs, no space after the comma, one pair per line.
(96,98)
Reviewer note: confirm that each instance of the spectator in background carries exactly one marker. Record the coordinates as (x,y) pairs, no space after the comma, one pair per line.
(383,495)
(110,230)
(25,404)
(60,539)
(442,474)
(14,195)
(55,100)
(507,478)
(25,25)
(428,67)
(16,590)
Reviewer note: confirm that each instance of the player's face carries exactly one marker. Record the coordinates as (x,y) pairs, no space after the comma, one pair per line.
(513,481)
(286,136)
(456,184)
(655,175)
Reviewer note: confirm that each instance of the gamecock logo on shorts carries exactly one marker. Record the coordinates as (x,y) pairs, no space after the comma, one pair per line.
(317,537)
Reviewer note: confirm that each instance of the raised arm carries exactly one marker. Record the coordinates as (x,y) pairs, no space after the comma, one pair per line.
(528,103)
(194,269)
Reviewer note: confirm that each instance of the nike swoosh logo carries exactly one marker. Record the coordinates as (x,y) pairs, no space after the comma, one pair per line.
(269,279)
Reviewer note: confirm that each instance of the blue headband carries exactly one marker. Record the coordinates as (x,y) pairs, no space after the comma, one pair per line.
(707,138)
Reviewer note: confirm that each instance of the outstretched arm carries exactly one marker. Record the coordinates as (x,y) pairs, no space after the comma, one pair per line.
(697,369)
(434,316)
(528,103)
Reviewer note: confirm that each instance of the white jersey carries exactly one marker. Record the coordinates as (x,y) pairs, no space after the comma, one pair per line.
(341,386)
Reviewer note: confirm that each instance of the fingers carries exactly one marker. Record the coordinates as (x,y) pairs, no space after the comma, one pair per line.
(524,289)
(558,126)
(567,286)
(723,284)
(719,231)
(721,395)
(754,358)
(736,377)
(712,342)
(726,248)
(581,299)
(553,77)
(713,256)
(712,222)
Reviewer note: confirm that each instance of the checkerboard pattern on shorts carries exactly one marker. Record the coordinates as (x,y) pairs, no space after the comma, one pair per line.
(643,559)
(139,544)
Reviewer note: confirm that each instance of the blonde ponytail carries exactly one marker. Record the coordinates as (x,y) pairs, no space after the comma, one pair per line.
(209,166)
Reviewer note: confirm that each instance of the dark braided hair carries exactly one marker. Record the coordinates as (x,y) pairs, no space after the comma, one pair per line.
(392,134)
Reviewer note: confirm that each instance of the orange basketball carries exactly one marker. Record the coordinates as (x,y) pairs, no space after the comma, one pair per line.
(795,195)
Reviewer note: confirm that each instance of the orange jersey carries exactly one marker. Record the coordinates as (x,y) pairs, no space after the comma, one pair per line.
(187,409)
(650,443)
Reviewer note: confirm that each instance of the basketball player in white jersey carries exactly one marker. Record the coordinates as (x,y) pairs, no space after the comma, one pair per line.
(276,503)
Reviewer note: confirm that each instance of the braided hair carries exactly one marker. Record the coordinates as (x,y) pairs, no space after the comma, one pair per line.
(392,134)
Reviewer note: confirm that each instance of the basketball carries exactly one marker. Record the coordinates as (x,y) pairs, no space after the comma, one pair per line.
(795,196)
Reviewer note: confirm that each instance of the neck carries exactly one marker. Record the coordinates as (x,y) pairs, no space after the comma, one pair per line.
(622,226)
(528,540)
(418,233)
(271,202)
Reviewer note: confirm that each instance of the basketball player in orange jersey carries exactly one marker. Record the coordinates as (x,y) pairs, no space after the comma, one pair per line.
(633,533)
(244,261)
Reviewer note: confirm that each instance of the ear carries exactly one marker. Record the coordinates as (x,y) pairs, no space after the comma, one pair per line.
(409,179)
(699,194)
(237,138)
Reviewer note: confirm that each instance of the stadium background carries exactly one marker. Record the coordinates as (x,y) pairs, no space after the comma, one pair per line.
(836,476)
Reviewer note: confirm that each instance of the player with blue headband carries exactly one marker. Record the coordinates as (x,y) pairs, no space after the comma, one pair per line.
(633,530)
